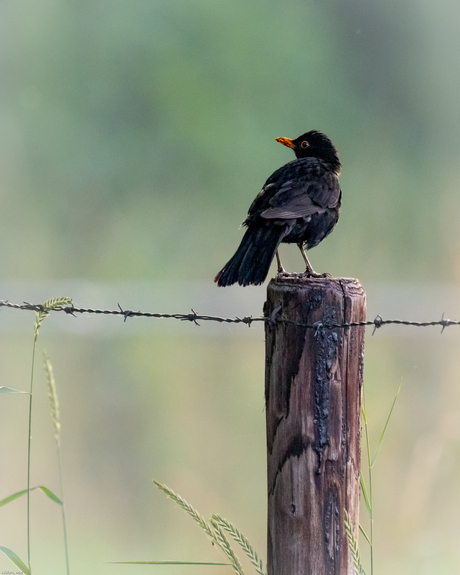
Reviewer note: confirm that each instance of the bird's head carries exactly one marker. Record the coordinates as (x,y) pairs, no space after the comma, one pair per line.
(314,144)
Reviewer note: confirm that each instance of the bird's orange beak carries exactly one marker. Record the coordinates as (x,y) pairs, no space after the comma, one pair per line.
(286,142)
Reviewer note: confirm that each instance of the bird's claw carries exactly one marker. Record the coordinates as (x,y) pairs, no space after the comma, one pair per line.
(283,273)
(313,274)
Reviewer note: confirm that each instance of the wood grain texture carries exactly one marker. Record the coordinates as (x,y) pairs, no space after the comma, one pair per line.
(313,406)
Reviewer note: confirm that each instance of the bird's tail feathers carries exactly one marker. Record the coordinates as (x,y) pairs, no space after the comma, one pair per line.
(252,260)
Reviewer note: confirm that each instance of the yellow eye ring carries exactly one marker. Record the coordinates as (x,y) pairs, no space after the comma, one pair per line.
(304,144)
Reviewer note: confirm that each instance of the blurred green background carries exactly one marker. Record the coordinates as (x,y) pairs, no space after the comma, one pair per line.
(134,136)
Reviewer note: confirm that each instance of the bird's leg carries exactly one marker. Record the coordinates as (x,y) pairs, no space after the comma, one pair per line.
(281,270)
(309,272)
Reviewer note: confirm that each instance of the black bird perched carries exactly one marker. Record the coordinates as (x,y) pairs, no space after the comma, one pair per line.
(299,203)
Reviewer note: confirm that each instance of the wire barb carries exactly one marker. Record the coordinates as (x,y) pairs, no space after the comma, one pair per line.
(275,312)
(318,325)
(192,317)
(126,313)
(378,322)
(70,310)
(444,322)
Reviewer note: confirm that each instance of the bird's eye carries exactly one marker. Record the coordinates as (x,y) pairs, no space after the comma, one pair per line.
(304,144)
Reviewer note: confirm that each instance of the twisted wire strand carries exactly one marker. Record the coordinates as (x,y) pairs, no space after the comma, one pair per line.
(248,320)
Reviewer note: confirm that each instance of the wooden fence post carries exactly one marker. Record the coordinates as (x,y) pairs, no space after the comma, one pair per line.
(313,407)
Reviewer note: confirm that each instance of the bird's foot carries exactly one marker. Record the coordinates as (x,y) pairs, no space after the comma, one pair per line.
(285,274)
(301,276)
(282,272)
(310,273)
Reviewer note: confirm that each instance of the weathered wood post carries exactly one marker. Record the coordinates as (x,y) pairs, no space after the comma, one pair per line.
(313,402)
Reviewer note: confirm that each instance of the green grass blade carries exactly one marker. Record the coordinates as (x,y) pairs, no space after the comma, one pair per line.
(12,497)
(45,490)
(15,559)
(165,563)
(29,438)
(367,503)
(49,494)
(364,534)
(385,428)
(4,389)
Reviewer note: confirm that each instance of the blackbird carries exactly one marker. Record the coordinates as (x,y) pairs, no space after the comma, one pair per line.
(299,203)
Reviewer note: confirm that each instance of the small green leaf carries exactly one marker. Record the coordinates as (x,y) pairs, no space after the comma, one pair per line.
(45,490)
(11,390)
(365,535)
(12,497)
(365,496)
(15,559)
(49,494)
(385,428)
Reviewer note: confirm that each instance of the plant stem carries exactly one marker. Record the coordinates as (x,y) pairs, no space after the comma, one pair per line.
(63,508)
(371,503)
(28,453)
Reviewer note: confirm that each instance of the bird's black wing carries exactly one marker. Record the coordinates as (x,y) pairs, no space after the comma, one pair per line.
(298,189)
(270,188)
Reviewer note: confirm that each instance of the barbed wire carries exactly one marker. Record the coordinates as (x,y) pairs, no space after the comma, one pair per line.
(194,317)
